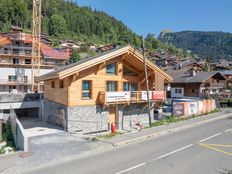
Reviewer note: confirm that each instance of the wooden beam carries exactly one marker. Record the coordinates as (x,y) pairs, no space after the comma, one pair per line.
(132,68)
(100,66)
(148,75)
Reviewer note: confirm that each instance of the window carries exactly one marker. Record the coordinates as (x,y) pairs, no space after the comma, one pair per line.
(126,86)
(27,61)
(52,84)
(12,88)
(12,78)
(61,84)
(128,72)
(130,86)
(15,61)
(111,68)
(111,86)
(134,87)
(86,89)
(25,79)
(178,91)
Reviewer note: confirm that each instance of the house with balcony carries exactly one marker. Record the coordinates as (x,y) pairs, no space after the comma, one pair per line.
(91,94)
(16,60)
(192,82)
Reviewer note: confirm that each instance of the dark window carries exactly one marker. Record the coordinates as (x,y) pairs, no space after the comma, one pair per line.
(134,87)
(52,84)
(178,91)
(111,68)
(86,89)
(111,86)
(11,88)
(12,78)
(25,79)
(61,84)
(27,61)
(15,61)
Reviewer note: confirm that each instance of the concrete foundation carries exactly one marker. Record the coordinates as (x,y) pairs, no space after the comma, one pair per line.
(87,119)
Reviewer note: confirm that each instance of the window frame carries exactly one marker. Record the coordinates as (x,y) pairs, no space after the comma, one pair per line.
(116,86)
(116,68)
(53,84)
(178,90)
(86,91)
(61,84)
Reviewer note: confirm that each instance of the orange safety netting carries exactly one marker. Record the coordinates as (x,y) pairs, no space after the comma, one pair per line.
(53,53)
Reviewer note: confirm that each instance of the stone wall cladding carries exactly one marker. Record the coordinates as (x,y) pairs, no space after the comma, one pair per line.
(87,119)
(132,114)
(55,113)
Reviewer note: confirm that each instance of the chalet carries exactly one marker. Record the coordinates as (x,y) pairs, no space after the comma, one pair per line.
(228,75)
(104,48)
(91,94)
(191,82)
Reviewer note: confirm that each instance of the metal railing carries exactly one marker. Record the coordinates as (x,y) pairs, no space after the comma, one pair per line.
(13,81)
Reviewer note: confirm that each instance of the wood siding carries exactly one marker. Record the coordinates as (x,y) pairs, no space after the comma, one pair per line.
(71,94)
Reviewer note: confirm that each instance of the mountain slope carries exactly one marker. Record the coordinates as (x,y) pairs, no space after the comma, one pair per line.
(212,45)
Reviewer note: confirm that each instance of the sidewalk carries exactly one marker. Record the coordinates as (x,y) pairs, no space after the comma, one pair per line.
(166,129)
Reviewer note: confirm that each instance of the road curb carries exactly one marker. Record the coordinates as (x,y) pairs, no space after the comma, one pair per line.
(165,132)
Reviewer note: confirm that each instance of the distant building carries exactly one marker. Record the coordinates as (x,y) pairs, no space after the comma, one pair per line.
(191,82)
(15,60)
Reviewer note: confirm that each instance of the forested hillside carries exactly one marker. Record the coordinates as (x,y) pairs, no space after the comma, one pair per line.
(211,45)
(63,19)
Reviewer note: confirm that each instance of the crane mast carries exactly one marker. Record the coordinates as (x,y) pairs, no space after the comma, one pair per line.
(36,44)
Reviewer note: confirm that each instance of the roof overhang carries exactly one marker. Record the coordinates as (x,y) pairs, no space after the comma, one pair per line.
(127,50)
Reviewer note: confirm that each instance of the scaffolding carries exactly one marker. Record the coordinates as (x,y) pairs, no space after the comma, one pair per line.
(36,43)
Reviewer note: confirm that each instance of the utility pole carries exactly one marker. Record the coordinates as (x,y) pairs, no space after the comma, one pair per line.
(147,85)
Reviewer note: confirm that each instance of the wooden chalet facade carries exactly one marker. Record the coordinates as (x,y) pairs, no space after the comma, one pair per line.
(110,88)
(192,82)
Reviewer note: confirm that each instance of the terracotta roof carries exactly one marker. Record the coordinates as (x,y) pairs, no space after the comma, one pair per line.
(4,40)
(53,53)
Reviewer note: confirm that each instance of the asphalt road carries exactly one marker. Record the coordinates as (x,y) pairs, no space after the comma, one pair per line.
(206,149)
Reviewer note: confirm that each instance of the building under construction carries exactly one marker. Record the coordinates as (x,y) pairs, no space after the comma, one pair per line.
(16,60)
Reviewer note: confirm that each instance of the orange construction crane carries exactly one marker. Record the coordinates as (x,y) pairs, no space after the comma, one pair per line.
(36,43)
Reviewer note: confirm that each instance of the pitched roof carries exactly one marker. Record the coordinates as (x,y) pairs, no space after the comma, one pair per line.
(53,53)
(183,76)
(131,54)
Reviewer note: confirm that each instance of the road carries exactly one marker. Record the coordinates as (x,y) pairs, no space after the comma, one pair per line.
(206,149)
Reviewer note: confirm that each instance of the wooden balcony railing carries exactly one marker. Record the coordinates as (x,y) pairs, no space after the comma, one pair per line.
(118,97)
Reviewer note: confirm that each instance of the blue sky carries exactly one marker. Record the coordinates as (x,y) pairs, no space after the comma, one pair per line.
(152,16)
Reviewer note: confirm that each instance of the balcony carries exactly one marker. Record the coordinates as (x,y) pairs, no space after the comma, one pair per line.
(215,85)
(14,82)
(121,97)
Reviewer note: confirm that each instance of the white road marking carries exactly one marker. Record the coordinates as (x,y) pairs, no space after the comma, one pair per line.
(123,171)
(228,130)
(210,137)
(175,151)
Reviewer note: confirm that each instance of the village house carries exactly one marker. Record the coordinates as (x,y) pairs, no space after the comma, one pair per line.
(90,95)
(194,82)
